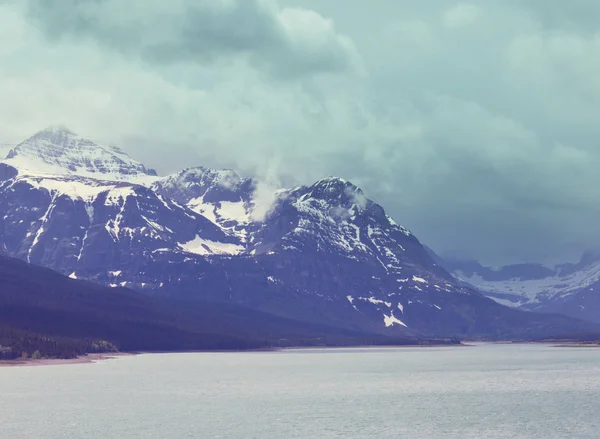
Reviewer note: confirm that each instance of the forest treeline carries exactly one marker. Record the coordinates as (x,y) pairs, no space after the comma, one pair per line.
(16,343)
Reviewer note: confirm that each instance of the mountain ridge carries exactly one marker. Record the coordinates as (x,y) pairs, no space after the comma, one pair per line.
(324,253)
(569,288)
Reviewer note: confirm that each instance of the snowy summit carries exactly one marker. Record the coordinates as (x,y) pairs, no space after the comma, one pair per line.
(57,151)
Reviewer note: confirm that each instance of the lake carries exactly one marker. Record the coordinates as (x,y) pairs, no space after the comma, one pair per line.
(486,391)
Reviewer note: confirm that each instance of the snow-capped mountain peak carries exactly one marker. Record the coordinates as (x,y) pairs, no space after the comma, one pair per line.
(222,196)
(58,151)
(337,191)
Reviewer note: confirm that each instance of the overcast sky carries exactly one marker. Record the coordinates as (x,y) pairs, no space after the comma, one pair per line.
(475,124)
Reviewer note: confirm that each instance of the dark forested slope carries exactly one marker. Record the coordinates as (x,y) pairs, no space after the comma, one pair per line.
(41,310)
(61,317)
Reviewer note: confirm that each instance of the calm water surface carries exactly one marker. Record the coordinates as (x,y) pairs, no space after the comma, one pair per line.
(487,391)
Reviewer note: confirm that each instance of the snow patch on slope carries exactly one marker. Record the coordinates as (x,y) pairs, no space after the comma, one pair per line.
(232,217)
(84,189)
(205,247)
(391,320)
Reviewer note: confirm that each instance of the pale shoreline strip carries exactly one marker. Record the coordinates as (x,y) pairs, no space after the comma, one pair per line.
(82,359)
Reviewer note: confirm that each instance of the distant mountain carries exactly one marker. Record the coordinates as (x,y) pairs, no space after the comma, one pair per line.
(323,254)
(5,149)
(57,150)
(572,289)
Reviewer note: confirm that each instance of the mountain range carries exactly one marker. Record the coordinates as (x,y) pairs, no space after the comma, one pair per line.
(569,288)
(322,254)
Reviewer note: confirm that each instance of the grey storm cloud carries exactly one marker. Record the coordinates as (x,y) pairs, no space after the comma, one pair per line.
(288,42)
(474,123)
(559,15)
